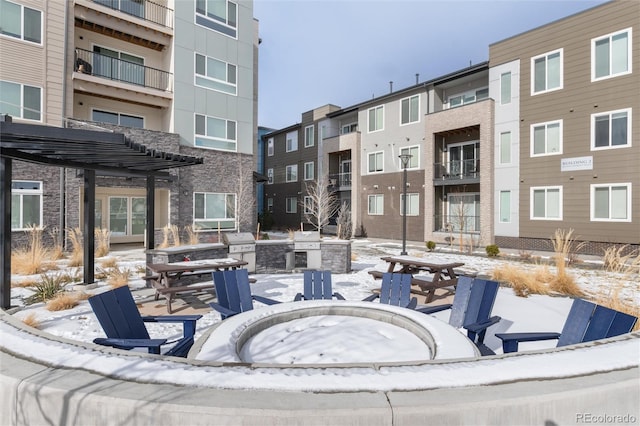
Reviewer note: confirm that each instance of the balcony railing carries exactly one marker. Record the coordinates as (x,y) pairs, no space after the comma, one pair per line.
(458,169)
(88,62)
(341,180)
(454,223)
(143,9)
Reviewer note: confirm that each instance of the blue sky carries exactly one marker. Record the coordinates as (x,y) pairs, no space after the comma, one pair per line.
(316,52)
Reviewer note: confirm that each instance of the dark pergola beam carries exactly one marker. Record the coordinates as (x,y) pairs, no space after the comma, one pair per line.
(5,232)
(151,220)
(89,203)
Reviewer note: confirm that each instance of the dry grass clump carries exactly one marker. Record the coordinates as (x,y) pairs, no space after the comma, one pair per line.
(611,298)
(175,234)
(24,283)
(57,251)
(117,277)
(192,235)
(103,241)
(63,301)
(31,259)
(31,320)
(615,261)
(565,248)
(523,282)
(77,252)
(110,262)
(165,237)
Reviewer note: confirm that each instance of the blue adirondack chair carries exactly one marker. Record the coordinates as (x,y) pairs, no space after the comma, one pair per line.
(471,308)
(124,326)
(234,293)
(586,322)
(317,286)
(395,290)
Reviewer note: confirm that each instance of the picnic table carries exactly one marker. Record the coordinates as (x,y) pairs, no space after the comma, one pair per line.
(444,274)
(171,278)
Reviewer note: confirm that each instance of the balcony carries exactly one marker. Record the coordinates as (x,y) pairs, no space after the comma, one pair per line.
(454,223)
(456,172)
(341,181)
(143,9)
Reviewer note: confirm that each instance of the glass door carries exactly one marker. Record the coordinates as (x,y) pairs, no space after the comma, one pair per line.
(345,173)
(464,212)
(127,215)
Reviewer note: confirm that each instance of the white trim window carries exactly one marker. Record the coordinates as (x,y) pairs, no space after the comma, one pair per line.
(270,147)
(611,202)
(546,138)
(218,15)
(291,204)
(270,205)
(611,129)
(292,173)
(349,128)
(505,148)
(216,75)
(505,207)
(546,203)
(292,141)
(376,204)
(26,204)
(410,110)
(505,88)
(308,136)
(467,97)
(376,162)
(213,211)
(375,118)
(414,161)
(21,101)
(21,22)
(215,133)
(413,204)
(546,72)
(117,118)
(269,176)
(308,205)
(611,55)
(309,170)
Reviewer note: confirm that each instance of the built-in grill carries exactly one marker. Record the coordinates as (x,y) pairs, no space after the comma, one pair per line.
(306,248)
(242,246)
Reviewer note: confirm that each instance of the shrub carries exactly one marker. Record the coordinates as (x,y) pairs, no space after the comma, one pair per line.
(192,235)
(77,252)
(264,236)
(46,289)
(103,241)
(522,281)
(492,250)
(431,245)
(62,301)
(32,258)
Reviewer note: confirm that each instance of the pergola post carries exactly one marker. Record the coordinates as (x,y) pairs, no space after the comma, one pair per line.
(5,232)
(89,203)
(151,202)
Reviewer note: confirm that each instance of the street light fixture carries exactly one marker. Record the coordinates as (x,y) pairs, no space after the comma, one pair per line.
(404,158)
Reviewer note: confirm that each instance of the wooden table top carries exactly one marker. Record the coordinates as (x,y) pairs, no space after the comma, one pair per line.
(195,265)
(420,262)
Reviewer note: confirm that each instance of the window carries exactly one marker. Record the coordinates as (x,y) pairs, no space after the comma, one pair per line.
(505,88)
(218,15)
(505,206)
(20,22)
(308,205)
(611,129)
(309,171)
(546,203)
(308,136)
(546,72)
(410,110)
(611,55)
(20,101)
(376,118)
(413,204)
(116,65)
(215,74)
(376,204)
(349,128)
(127,215)
(270,147)
(468,97)
(215,133)
(546,138)
(270,205)
(26,204)
(291,204)
(376,160)
(269,176)
(505,148)
(117,119)
(414,161)
(464,211)
(214,211)
(292,173)
(611,202)
(292,141)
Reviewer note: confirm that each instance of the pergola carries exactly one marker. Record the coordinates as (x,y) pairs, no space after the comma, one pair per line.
(93,152)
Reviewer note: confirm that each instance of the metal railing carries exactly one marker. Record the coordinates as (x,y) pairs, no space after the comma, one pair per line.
(88,62)
(453,223)
(341,179)
(457,169)
(143,9)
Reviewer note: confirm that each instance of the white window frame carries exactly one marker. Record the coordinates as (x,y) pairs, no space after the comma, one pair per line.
(308,136)
(269,176)
(21,192)
(504,216)
(504,148)
(22,25)
(610,186)
(228,86)
(222,25)
(533,73)
(20,108)
(270,147)
(379,203)
(377,127)
(414,161)
(349,128)
(413,204)
(230,211)
(292,141)
(468,97)
(309,170)
(546,138)
(610,114)
(291,204)
(291,173)
(505,88)
(408,100)
(629,55)
(376,154)
(119,116)
(220,144)
(546,202)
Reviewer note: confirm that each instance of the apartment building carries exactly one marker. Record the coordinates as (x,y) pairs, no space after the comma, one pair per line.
(567,132)
(175,76)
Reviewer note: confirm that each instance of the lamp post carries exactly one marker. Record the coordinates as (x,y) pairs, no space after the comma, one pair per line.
(404,158)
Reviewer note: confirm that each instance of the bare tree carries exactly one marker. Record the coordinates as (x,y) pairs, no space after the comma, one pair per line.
(345,225)
(245,199)
(321,202)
